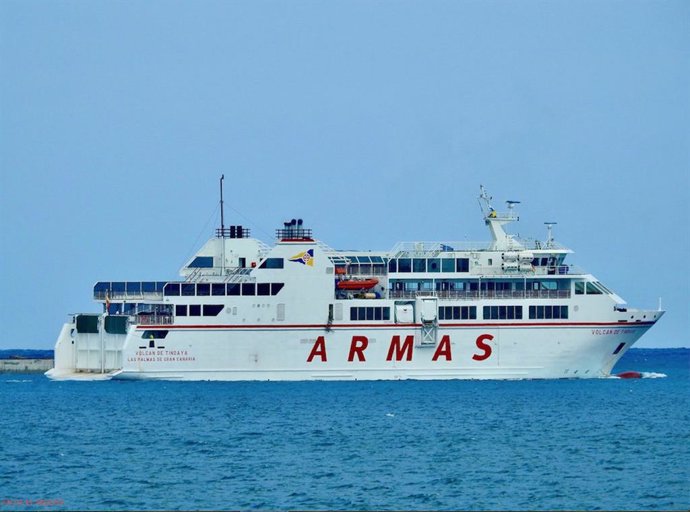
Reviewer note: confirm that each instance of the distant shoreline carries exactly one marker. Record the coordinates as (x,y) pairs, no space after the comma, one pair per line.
(19,354)
(26,365)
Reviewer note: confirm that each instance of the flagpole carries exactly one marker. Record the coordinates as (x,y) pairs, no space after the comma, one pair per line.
(222,217)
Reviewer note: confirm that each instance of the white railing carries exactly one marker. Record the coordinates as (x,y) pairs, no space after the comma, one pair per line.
(153,319)
(100,295)
(483,294)
(435,248)
(367,270)
(554,270)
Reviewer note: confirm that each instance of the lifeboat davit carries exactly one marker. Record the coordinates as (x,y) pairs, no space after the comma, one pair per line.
(357,284)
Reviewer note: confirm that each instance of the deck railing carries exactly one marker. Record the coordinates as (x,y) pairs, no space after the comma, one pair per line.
(124,295)
(367,270)
(482,294)
(145,319)
(434,248)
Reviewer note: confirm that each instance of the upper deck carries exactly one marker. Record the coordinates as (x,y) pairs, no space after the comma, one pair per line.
(506,266)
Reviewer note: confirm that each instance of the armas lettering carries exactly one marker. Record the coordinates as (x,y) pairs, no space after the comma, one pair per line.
(399,349)
(481,345)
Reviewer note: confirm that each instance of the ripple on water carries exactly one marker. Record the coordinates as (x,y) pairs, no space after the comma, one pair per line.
(408,445)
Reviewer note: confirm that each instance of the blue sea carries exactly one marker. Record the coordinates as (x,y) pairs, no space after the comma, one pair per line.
(567,444)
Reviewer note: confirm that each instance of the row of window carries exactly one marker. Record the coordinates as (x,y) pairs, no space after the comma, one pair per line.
(469,313)
(502,312)
(477,284)
(457,313)
(206,289)
(370,313)
(591,288)
(365,260)
(198,309)
(429,265)
(132,287)
(550,261)
(548,312)
(515,312)
(140,308)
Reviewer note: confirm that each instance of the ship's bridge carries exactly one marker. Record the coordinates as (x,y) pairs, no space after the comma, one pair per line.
(230,252)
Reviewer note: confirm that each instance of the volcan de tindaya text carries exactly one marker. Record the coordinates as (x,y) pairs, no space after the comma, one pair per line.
(300,310)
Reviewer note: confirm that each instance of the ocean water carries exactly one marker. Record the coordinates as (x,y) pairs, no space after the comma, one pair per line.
(568,444)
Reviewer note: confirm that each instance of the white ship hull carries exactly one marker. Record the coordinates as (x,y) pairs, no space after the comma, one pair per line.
(467,352)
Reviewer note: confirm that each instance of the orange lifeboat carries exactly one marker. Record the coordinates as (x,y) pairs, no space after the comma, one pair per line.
(357,284)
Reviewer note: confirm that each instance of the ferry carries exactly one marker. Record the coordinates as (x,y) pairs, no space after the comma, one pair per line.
(508,308)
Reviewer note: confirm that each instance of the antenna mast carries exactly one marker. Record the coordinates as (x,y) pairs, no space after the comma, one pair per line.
(549,233)
(484,196)
(222,218)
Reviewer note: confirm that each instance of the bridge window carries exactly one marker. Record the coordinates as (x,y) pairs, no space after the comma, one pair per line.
(272,263)
(248,289)
(263,289)
(203,289)
(218,289)
(544,284)
(434,265)
(188,289)
(592,289)
(419,265)
(202,262)
(276,287)
(462,264)
(393,266)
(172,289)
(579,288)
(404,265)
(233,289)
(447,265)
(603,288)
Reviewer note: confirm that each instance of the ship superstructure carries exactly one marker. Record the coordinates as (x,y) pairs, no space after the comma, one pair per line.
(300,310)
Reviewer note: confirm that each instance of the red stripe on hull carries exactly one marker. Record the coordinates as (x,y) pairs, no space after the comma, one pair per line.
(396,326)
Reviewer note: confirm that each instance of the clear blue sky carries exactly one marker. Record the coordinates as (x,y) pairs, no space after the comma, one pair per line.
(375,121)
